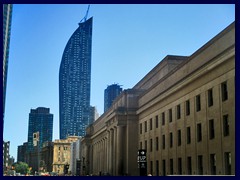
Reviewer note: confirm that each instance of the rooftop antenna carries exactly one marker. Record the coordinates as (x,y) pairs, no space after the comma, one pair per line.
(85,17)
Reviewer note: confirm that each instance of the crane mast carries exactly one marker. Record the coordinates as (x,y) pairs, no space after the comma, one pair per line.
(85,17)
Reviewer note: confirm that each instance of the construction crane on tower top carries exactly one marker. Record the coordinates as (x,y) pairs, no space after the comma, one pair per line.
(85,17)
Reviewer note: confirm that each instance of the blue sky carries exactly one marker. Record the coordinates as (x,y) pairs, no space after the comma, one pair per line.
(128,41)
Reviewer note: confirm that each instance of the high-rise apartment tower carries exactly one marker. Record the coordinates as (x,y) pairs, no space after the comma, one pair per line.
(74,82)
(110,95)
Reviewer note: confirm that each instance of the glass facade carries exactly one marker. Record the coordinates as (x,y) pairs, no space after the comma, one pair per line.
(7,20)
(110,95)
(74,82)
(41,121)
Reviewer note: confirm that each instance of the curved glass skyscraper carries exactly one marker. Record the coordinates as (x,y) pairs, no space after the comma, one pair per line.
(74,82)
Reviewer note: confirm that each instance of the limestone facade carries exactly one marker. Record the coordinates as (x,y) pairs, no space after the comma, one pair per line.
(187,119)
(182,112)
(62,154)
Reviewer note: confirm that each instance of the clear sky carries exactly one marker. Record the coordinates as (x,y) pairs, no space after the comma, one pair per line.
(128,41)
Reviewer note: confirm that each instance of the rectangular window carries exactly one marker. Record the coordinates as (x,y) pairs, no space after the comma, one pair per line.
(156,143)
(225,125)
(171,166)
(189,165)
(163,141)
(171,139)
(156,121)
(179,138)
(227,157)
(151,167)
(151,145)
(211,129)
(140,128)
(145,126)
(199,132)
(187,108)
(157,168)
(146,144)
(224,89)
(200,165)
(163,118)
(213,164)
(179,165)
(150,124)
(170,115)
(198,103)
(164,167)
(188,135)
(210,97)
(178,111)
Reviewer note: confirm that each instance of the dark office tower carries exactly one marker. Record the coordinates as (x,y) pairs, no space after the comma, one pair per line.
(110,94)
(40,125)
(7,20)
(21,152)
(74,82)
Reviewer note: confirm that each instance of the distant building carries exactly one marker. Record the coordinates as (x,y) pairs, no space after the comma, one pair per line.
(41,123)
(75,156)
(93,114)
(40,128)
(7,21)
(46,157)
(6,156)
(75,81)
(62,155)
(110,95)
(22,150)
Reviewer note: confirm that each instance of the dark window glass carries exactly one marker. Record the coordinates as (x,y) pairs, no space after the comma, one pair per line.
(156,143)
(180,166)
(163,118)
(224,89)
(210,97)
(170,115)
(225,125)
(164,167)
(178,111)
(145,126)
(227,157)
(140,128)
(179,138)
(171,140)
(171,166)
(200,165)
(156,121)
(163,141)
(198,103)
(150,124)
(199,132)
(211,129)
(189,165)
(157,168)
(187,107)
(213,163)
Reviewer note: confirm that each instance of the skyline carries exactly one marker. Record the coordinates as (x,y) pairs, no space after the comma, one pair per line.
(124,36)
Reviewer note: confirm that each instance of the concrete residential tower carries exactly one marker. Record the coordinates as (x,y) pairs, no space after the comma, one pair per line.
(74,81)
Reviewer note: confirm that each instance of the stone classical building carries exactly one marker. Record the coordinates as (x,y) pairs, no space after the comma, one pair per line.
(187,118)
(182,113)
(62,154)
